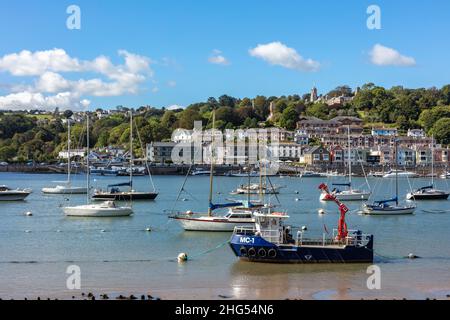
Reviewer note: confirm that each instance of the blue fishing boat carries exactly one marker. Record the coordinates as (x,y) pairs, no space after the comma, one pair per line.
(270,240)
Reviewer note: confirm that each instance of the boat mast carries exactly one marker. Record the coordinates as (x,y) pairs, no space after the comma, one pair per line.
(349,158)
(260,183)
(211,172)
(432,160)
(68,151)
(87,159)
(131,150)
(396,170)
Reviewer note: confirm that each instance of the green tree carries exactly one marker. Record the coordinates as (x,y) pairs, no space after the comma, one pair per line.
(7,153)
(441,130)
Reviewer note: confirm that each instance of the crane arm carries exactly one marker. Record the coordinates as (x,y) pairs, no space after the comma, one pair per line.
(342,226)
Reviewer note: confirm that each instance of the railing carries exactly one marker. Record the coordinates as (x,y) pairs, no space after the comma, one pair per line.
(353,238)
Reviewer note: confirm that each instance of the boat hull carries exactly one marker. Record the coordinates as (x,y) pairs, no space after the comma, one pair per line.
(95,211)
(429,196)
(347,196)
(256,249)
(64,190)
(388,211)
(211,224)
(125,196)
(13,196)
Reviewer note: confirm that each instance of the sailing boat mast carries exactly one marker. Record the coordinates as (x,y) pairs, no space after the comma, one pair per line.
(211,172)
(68,151)
(131,150)
(87,159)
(349,158)
(432,160)
(396,171)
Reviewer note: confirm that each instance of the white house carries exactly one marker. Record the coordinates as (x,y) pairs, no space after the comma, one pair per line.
(417,133)
(384,131)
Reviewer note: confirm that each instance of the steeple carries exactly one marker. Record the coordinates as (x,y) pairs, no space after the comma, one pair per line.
(313,97)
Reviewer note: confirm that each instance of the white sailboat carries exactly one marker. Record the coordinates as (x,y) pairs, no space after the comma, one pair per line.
(67,188)
(383,207)
(429,192)
(191,221)
(350,194)
(104,209)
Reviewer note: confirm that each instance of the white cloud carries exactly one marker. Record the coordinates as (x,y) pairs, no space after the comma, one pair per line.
(172,83)
(218,58)
(27,63)
(277,53)
(384,56)
(51,89)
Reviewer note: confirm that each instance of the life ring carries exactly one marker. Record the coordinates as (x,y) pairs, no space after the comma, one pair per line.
(251,252)
(243,251)
(272,253)
(262,252)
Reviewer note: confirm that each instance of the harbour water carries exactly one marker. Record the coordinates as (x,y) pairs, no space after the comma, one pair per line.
(118,255)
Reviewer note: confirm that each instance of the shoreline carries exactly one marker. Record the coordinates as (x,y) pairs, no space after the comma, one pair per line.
(222,170)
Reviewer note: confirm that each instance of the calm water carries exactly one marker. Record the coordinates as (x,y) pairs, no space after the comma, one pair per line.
(127,259)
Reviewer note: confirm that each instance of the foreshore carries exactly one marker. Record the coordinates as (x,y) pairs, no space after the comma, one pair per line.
(284,169)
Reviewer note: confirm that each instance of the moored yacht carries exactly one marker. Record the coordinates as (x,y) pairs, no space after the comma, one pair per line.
(349,194)
(429,192)
(114,193)
(105,209)
(384,207)
(8,194)
(67,188)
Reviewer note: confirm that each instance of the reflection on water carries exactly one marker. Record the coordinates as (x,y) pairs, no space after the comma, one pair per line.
(126,258)
(264,280)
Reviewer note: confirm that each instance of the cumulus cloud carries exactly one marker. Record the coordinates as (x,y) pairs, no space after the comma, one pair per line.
(51,89)
(384,56)
(218,58)
(172,83)
(277,53)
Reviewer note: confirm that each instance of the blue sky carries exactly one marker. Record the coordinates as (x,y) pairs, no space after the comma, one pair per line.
(177,38)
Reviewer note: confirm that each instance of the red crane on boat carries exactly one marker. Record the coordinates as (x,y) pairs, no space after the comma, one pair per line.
(342,226)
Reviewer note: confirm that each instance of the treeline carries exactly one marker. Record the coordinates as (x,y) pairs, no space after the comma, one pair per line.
(26,137)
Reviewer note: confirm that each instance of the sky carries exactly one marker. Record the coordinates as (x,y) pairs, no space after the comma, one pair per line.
(166,53)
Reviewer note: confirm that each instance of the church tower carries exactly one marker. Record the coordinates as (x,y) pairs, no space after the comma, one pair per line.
(313,97)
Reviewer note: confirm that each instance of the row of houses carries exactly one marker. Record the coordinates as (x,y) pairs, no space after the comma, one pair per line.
(161,152)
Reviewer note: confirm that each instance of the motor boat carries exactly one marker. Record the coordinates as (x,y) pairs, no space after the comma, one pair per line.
(400,174)
(312,174)
(8,194)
